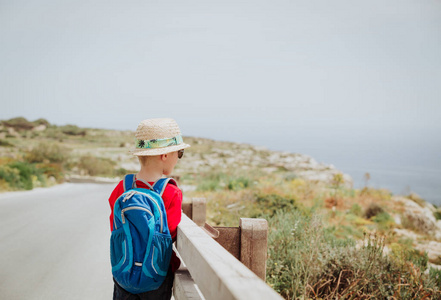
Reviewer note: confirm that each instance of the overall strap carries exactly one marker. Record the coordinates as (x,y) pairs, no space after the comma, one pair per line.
(160,185)
(143,181)
(128,181)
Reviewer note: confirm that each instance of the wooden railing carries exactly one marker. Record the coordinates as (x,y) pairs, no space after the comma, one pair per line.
(221,262)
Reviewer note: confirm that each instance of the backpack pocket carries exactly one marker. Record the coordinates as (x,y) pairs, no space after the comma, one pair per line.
(118,251)
(161,253)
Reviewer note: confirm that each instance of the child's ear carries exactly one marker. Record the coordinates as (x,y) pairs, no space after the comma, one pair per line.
(164,157)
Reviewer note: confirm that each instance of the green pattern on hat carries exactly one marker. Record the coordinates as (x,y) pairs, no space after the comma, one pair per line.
(158,143)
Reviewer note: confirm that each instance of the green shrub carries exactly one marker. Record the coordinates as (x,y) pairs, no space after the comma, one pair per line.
(298,249)
(418,258)
(417,199)
(404,252)
(346,231)
(269,204)
(52,132)
(372,210)
(26,171)
(306,261)
(52,170)
(41,121)
(383,220)
(206,185)
(72,130)
(356,210)
(289,251)
(235,184)
(96,166)
(216,181)
(211,182)
(19,124)
(290,176)
(435,276)
(120,172)
(337,180)
(21,175)
(5,143)
(47,153)
(10,175)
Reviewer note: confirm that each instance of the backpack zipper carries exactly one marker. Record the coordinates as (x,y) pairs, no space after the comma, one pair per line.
(157,205)
(123,219)
(125,209)
(125,251)
(128,196)
(153,256)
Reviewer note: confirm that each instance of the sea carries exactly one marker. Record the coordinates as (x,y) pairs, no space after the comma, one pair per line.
(400,167)
(400,164)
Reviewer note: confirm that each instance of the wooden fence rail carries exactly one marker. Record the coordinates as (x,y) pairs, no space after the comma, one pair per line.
(213,271)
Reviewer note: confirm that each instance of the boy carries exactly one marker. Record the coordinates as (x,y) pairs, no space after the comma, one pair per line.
(159,145)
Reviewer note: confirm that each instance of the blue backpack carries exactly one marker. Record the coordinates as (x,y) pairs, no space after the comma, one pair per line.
(140,244)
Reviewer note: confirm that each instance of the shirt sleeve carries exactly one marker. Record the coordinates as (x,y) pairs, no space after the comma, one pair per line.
(173,209)
(117,191)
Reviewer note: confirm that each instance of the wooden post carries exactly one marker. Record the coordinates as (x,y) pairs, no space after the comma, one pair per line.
(229,238)
(199,208)
(196,210)
(217,273)
(248,242)
(254,245)
(186,208)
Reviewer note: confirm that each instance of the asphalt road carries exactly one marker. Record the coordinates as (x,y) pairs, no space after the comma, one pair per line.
(54,243)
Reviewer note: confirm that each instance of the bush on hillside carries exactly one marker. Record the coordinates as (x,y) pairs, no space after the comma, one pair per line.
(54,170)
(72,130)
(19,124)
(417,199)
(222,181)
(211,182)
(269,204)
(96,166)
(372,210)
(5,143)
(356,210)
(41,122)
(10,176)
(238,183)
(21,175)
(306,261)
(404,252)
(383,220)
(435,276)
(47,153)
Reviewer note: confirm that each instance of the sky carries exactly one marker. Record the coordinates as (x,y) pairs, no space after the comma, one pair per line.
(294,75)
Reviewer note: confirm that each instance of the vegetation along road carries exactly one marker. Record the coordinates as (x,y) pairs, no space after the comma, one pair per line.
(54,243)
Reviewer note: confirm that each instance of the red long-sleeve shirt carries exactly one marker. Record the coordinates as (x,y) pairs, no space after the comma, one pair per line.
(172,198)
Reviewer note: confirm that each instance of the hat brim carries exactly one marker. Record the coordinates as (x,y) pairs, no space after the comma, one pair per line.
(159,151)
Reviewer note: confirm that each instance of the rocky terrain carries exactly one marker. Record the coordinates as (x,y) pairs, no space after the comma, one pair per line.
(424,229)
(413,218)
(206,155)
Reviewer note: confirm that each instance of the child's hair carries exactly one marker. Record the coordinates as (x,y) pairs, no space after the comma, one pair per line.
(143,160)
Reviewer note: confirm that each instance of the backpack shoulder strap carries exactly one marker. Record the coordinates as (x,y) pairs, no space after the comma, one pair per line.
(160,185)
(128,181)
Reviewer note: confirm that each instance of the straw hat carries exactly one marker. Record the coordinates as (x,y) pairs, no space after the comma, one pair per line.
(158,136)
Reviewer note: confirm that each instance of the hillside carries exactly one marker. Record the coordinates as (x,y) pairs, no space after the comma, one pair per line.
(317,220)
(20,139)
